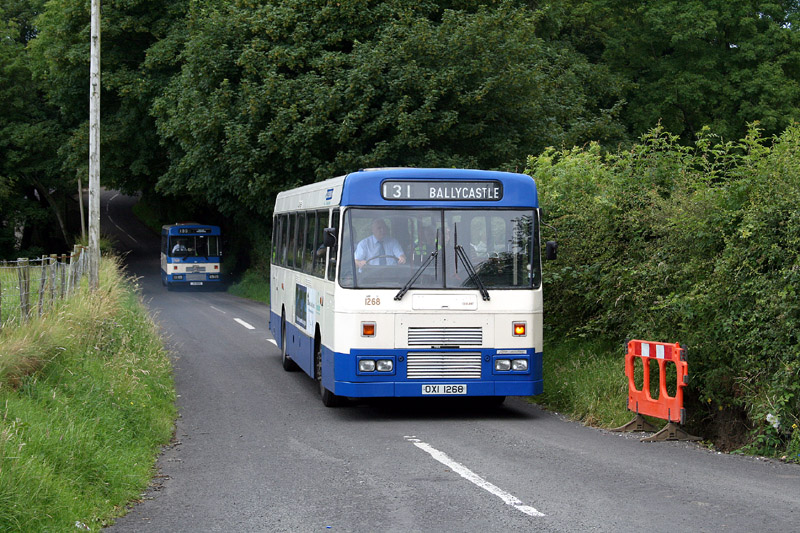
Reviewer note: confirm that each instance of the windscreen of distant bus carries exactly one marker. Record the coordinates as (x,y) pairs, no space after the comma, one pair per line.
(194,246)
(499,246)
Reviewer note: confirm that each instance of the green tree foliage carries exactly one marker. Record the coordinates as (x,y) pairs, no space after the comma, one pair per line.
(130,155)
(693,244)
(689,64)
(273,94)
(32,199)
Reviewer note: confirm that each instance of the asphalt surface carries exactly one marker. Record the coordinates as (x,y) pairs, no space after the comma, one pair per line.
(255,449)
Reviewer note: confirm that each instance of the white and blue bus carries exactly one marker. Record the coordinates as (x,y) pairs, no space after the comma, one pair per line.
(190,255)
(410,283)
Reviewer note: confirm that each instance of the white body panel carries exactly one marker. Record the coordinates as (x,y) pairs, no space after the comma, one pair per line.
(393,318)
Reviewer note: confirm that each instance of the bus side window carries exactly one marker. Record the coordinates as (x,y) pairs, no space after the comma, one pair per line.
(300,232)
(290,240)
(320,251)
(295,237)
(308,248)
(282,240)
(333,251)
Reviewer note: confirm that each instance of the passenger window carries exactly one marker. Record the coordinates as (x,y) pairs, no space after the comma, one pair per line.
(308,249)
(320,251)
(301,233)
(291,236)
(283,242)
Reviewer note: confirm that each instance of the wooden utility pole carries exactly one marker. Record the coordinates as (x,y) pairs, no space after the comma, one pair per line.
(94,151)
(80,206)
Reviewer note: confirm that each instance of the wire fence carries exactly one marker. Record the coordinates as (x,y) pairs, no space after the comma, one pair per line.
(30,287)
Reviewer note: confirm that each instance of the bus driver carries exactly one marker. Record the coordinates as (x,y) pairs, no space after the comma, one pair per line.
(379,248)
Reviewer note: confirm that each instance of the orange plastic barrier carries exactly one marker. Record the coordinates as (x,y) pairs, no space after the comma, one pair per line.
(640,401)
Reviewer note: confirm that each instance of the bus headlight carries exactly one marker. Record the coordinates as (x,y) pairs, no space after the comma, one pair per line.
(366,365)
(502,365)
(213,276)
(507,365)
(385,365)
(520,365)
(177,276)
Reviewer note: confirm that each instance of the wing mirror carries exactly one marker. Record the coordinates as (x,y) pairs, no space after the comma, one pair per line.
(551,250)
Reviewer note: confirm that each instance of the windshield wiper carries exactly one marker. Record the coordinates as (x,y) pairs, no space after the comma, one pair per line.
(473,275)
(417,274)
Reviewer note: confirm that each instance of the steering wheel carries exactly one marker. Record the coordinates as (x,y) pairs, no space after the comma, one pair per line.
(381,256)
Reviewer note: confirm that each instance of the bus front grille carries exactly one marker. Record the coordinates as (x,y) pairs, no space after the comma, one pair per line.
(472,336)
(444,365)
(195,277)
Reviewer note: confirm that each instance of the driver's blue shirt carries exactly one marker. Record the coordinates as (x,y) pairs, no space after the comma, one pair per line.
(371,247)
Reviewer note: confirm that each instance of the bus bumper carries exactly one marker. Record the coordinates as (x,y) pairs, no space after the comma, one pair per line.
(341,376)
(410,390)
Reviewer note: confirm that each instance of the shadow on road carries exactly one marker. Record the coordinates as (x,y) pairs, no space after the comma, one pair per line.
(415,409)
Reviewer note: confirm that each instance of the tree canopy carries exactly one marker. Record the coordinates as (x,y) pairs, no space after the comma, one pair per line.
(225,102)
(690,64)
(278,94)
(31,191)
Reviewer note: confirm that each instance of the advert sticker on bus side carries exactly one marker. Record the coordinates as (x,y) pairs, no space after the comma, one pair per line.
(444,389)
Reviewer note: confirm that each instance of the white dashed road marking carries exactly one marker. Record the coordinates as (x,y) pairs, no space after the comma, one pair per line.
(469,475)
(245,324)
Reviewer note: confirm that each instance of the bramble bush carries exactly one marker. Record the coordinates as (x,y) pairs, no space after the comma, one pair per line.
(699,245)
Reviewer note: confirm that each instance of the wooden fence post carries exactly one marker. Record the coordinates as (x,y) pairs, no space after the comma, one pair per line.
(42,283)
(53,264)
(24,285)
(73,265)
(62,267)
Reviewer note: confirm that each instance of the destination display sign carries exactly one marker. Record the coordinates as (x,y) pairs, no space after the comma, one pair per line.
(446,191)
(193,231)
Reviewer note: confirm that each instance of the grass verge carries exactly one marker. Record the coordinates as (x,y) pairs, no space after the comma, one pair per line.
(254,285)
(86,402)
(585,380)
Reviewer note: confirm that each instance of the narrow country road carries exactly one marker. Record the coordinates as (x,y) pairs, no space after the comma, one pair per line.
(255,449)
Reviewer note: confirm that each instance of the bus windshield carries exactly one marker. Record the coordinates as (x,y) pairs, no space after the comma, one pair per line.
(386,248)
(194,246)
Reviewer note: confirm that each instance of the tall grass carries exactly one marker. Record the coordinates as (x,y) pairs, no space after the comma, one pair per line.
(10,300)
(253,285)
(86,401)
(585,380)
